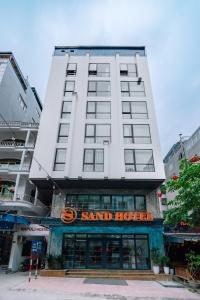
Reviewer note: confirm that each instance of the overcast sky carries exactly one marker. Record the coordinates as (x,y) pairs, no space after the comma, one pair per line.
(170,30)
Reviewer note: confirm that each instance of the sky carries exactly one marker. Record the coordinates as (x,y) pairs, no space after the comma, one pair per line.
(170,30)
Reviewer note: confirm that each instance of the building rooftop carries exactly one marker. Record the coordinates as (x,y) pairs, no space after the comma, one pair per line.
(99,50)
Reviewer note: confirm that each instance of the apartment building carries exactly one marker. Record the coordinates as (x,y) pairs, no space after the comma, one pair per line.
(20,110)
(99,147)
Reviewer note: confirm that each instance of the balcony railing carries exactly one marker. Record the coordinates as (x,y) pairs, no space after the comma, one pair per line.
(19,197)
(14,167)
(15,144)
(18,124)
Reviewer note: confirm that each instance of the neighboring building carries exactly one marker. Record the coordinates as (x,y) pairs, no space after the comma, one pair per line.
(18,101)
(180,239)
(98,143)
(20,110)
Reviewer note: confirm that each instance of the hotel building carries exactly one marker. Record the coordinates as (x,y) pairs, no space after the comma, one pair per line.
(99,159)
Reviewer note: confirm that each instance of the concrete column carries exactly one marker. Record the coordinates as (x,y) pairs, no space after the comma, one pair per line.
(16,187)
(15,254)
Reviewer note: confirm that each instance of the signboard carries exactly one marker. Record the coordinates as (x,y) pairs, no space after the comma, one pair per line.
(36,247)
(69,215)
(33,230)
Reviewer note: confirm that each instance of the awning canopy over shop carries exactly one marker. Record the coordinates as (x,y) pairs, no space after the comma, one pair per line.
(14,219)
(181,238)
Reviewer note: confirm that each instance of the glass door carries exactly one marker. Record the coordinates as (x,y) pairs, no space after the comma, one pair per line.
(95,254)
(112,254)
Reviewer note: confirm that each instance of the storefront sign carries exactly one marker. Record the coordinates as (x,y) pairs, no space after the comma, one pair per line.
(33,230)
(69,215)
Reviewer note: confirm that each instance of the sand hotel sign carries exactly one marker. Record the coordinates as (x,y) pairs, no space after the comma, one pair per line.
(69,215)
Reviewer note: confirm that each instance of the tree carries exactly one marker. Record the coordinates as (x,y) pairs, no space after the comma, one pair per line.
(186,204)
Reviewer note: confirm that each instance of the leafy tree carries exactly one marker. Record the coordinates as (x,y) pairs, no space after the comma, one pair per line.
(186,204)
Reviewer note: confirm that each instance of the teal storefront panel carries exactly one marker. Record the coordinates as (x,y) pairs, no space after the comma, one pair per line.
(155,233)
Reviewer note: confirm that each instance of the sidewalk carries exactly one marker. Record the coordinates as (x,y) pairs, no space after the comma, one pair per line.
(17,287)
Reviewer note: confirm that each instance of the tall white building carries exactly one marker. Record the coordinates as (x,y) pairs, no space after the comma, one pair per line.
(99,143)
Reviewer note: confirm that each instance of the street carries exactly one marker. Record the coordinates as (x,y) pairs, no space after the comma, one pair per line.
(16,287)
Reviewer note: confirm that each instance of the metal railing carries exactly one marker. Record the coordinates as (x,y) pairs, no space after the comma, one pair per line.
(15,144)
(14,167)
(18,124)
(19,197)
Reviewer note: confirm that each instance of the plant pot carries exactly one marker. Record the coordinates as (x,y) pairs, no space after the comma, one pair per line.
(166,270)
(156,269)
(194,284)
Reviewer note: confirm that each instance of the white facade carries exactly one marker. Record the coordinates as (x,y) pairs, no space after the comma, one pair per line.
(114,162)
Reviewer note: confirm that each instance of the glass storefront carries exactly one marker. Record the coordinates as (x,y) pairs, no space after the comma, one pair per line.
(101,251)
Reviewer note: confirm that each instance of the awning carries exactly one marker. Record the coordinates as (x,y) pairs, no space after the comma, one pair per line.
(14,219)
(180,238)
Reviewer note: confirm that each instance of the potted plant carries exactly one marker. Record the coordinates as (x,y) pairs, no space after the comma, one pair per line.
(155,257)
(165,263)
(193,269)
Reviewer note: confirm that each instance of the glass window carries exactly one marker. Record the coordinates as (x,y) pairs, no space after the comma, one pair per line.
(101,70)
(66,109)
(71,69)
(138,160)
(134,110)
(106,202)
(98,110)
(97,133)
(99,88)
(140,204)
(93,160)
(69,87)
(128,70)
(138,134)
(132,88)
(60,157)
(63,133)
(22,102)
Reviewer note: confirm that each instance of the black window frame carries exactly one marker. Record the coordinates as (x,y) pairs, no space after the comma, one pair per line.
(96,92)
(127,73)
(134,164)
(59,163)
(93,160)
(69,92)
(130,93)
(133,137)
(96,72)
(60,136)
(71,72)
(95,137)
(96,111)
(131,114)
(66,113)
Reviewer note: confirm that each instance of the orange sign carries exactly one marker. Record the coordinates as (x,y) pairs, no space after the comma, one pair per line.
(69,215)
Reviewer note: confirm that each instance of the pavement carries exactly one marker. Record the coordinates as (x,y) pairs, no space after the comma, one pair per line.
(16,287)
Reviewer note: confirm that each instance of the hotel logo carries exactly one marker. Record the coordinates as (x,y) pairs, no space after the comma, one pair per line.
(68,215)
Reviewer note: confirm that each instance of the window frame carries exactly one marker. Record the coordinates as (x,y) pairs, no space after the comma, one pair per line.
(131,93)
(66,113)
(59,163)
(133,137)
(96,72)
(131,113)
(69,92)
(93,160)
(71,72)
(135,164)
(127,73)
(60,136)
(96,111)
(96,92)
(95,137)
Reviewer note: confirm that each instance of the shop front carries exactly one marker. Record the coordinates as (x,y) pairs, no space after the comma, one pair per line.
(105,232)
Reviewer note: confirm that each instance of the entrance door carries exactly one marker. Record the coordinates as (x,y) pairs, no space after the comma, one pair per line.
(95,254)
(112,254)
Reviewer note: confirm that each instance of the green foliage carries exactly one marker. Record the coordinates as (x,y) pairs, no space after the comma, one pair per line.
(186,205)
(164,260)
(163,189)
(155,256)
(193,265)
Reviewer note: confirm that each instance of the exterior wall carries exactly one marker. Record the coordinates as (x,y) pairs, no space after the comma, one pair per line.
(114,152)
(10,89)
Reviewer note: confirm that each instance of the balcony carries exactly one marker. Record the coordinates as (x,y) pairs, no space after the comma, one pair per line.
(16,124)
(10,167)
(15,145)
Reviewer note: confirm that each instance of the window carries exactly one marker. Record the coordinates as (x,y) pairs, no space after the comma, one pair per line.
(132,88)
(59,164)
(63,133)
(134,110)
(93,160)
(139,160)
(66,109)
(101,70)
(97,133)
(22,103)
(99,88)
(138,134)
(71,69)
(69,87)
(98,110)
(128,70)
